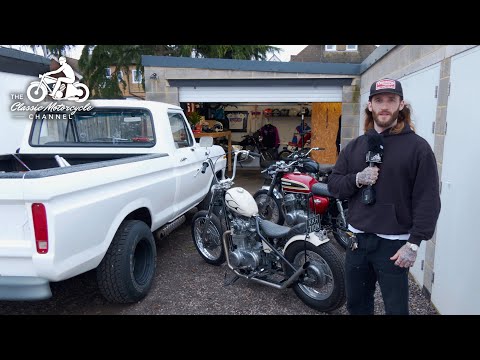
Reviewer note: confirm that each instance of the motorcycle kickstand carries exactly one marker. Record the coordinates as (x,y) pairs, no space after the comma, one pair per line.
(230,280)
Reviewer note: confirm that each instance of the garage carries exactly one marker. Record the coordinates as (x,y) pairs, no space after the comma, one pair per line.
(289,99)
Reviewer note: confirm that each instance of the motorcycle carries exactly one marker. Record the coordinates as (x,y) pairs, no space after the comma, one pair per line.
(258,250)
(38,90)
(254,143)
(285,199)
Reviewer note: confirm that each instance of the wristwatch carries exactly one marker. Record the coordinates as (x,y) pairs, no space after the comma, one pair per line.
(413,247)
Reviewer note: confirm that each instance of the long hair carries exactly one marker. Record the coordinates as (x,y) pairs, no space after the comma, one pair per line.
(404,117)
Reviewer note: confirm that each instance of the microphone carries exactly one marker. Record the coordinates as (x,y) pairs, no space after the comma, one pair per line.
(373,156)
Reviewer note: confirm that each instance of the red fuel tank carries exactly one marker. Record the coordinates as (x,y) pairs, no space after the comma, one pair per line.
(297,183)
(301,183)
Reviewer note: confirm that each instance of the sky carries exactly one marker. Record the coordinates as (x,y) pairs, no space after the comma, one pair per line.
(284,54)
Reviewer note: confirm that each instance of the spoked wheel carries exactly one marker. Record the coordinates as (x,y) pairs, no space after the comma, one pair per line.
(209,244)
(323,285)
(269,208)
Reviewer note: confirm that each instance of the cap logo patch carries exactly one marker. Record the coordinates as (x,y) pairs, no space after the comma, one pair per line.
(385,84)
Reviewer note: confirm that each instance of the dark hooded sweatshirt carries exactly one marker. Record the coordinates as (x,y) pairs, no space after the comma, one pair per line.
(407,189)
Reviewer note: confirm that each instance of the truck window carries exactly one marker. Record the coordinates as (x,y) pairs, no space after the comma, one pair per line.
(105,127)
(181,135)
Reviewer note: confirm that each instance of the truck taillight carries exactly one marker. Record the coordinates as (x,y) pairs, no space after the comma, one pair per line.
(40,227)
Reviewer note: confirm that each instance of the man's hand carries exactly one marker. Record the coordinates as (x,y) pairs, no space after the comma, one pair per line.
(368,176)
(405,257)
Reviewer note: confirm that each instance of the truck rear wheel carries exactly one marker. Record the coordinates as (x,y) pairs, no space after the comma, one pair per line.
(126,273)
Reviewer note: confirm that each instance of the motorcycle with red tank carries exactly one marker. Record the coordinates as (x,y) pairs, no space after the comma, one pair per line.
(285,199)
(300,257)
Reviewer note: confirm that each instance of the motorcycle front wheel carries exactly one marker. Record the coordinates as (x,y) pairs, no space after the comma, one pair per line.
(322,287)
(210,246)
(269,207)
(34,95)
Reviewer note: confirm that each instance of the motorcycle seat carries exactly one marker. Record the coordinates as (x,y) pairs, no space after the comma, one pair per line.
(272,230)
(321,189)
(325,168)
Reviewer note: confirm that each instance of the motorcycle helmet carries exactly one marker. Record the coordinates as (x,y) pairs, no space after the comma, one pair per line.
(267,112)
(276,112)
(241,201)
(218,127)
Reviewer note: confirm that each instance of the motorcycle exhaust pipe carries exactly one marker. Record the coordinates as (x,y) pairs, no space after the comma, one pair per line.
(286,284)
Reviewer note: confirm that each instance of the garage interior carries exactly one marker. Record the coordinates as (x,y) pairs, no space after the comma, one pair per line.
(322,120)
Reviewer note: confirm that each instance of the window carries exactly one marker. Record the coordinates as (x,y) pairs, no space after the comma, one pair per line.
(136,76)
(120,75)
(330,47)
(108,73)
(352,47)
(102,128)
(181,135)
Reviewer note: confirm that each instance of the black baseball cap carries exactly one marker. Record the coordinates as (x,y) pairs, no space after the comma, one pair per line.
(386,86)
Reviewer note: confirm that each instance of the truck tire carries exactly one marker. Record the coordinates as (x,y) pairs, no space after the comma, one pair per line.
(126,273)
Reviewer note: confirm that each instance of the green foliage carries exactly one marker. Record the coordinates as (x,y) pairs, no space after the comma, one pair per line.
(194,117)
(96,58)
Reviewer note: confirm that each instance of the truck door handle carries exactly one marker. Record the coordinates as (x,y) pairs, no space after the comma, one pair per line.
(183,159)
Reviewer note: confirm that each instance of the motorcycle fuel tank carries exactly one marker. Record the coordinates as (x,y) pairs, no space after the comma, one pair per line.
(241,201)
(297,183)
(301,183)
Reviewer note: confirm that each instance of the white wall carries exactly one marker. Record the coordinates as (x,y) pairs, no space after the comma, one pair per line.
(12,127)
(456,286)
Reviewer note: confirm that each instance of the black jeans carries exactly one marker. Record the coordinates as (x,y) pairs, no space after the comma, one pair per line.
(367,264)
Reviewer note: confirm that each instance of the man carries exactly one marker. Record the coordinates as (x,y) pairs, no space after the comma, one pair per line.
(69,77)
(388,231)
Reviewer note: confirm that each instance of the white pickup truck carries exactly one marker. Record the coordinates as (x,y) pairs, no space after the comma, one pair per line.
(86,190)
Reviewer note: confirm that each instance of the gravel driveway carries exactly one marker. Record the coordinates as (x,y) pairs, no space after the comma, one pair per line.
(186,285)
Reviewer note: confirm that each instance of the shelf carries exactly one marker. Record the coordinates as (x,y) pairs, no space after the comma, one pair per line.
(288,118)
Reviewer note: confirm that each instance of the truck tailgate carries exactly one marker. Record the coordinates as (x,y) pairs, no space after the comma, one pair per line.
(15,234)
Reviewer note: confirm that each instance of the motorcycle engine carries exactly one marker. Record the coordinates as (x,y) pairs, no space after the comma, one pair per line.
(248,251)
(294,205)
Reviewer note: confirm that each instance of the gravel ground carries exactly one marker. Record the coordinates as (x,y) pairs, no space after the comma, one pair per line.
(186,285)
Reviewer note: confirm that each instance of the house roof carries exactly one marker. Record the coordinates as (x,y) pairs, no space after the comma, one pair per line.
(251,65)
(23,63)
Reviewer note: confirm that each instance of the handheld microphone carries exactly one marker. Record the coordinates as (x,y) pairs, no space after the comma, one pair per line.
(373,156)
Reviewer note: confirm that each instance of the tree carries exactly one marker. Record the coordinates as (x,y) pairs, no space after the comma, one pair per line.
(95,59)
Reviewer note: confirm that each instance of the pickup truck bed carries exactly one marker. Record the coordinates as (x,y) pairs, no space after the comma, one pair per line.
(42,165)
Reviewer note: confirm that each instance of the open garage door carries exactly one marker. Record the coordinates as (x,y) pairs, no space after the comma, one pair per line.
(260,94)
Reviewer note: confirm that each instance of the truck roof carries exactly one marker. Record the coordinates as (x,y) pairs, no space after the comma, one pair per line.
(132,103)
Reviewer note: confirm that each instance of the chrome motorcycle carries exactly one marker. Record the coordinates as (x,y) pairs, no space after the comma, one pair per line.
(301,257)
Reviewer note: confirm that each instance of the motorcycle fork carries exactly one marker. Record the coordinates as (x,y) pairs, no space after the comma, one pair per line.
(341,213)
(209,213)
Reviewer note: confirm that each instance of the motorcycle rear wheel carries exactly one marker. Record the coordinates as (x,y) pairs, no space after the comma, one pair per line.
(211,248)
(323,288)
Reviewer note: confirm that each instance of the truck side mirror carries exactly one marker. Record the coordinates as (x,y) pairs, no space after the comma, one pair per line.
(206,141)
